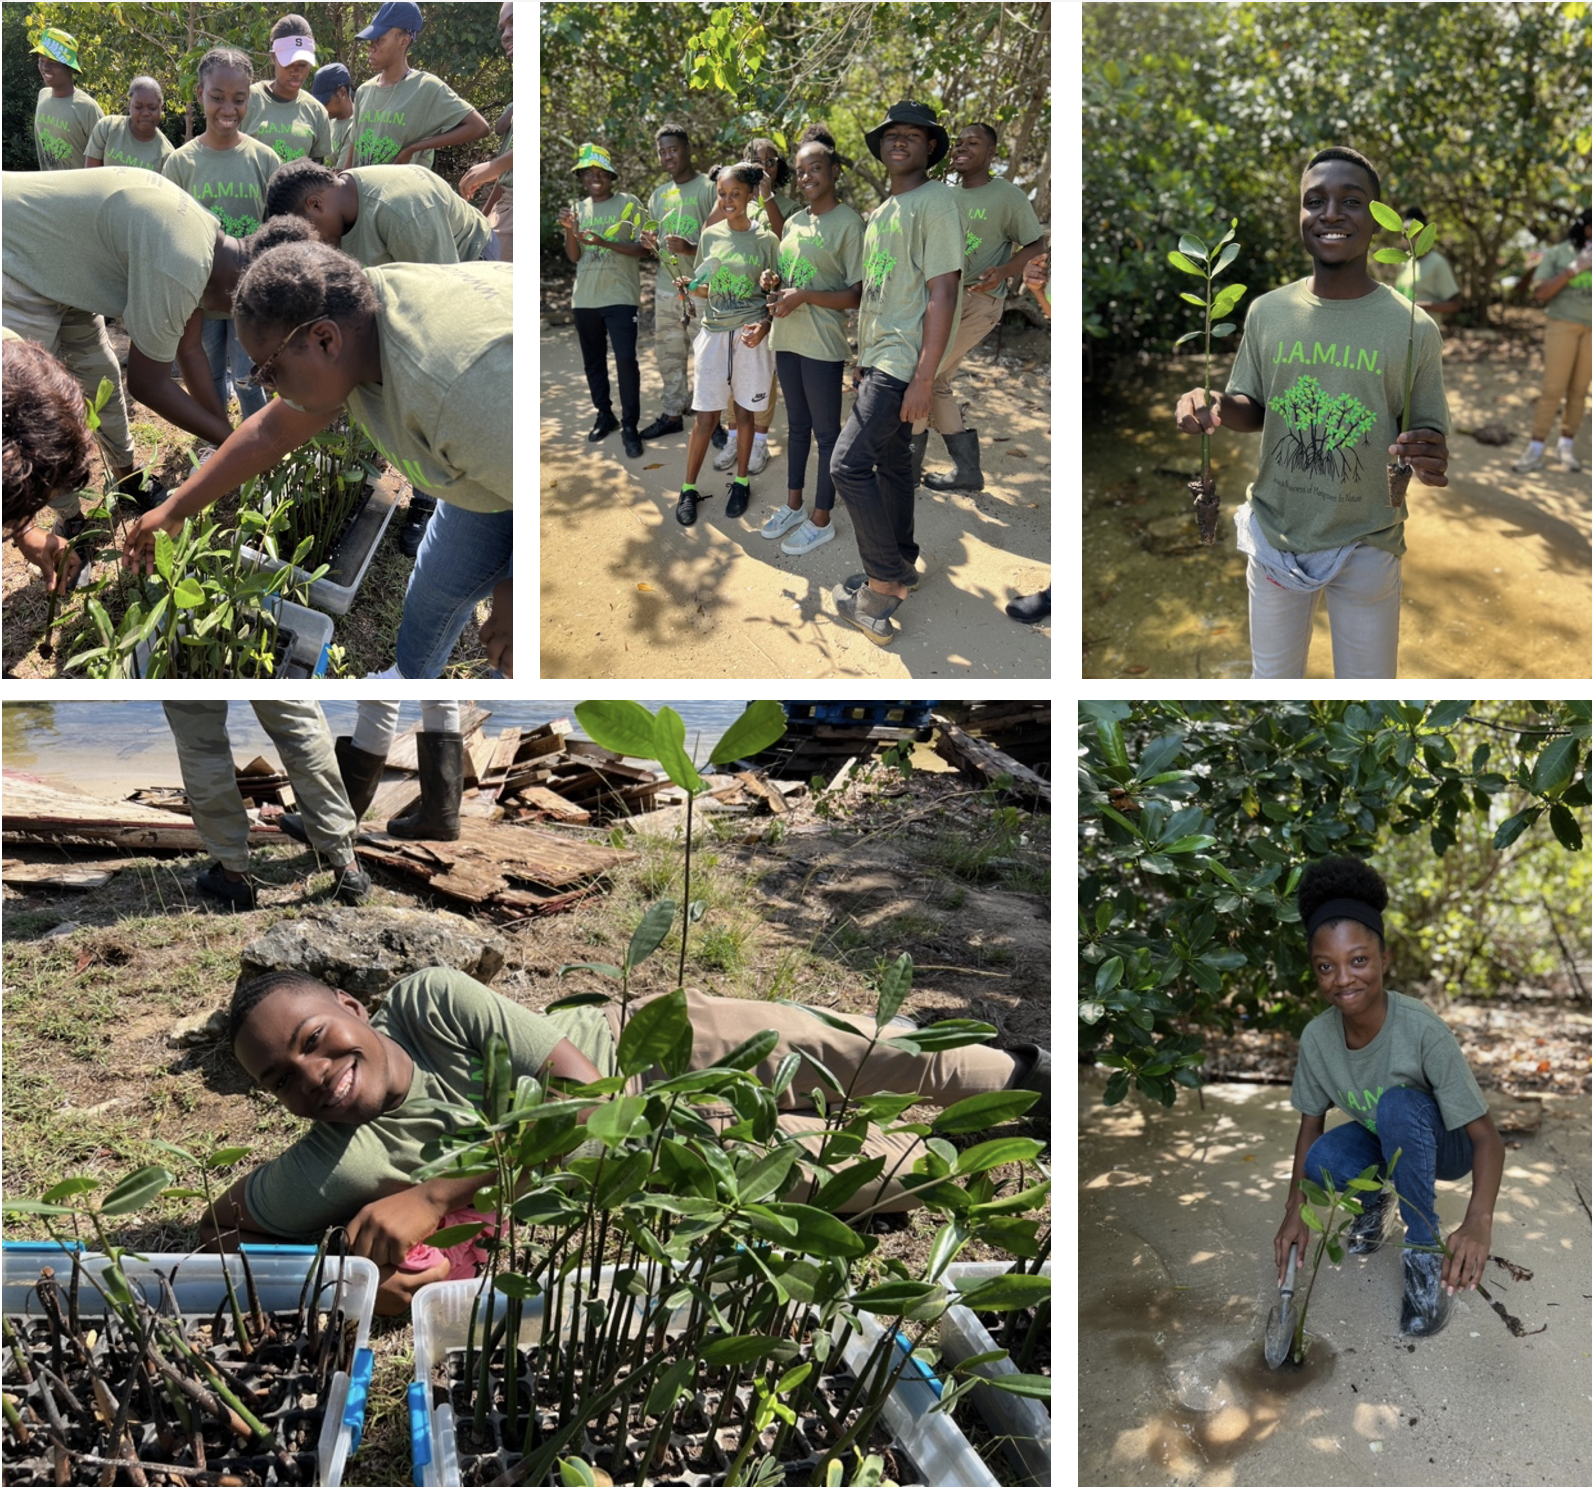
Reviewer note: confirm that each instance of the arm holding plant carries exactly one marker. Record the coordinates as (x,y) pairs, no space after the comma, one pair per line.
(1237,411)
(193,408)
(1471,1241)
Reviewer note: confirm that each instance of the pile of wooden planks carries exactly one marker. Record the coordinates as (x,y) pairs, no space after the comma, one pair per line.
(1020,728)
(820,738)
(980,760)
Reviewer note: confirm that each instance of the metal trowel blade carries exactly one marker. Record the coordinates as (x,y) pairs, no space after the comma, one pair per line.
(1279,1324)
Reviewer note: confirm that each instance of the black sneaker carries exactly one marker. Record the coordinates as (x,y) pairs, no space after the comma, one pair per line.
(633,445)
(1030,609)
(721,437)
(1370,1228)
(685,513)
(664,424)
(413,532)
(1426,1306)
(237,894)
(740,495)
(855,582)
(603,426)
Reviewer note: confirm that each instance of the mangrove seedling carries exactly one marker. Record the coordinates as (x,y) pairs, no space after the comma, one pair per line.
(1418,239)
(1192,257)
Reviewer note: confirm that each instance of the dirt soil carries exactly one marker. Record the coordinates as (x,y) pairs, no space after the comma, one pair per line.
(1497,580)
(1177,1213)
(631,593)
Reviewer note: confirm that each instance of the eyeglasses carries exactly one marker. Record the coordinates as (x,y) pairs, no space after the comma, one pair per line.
(260,374)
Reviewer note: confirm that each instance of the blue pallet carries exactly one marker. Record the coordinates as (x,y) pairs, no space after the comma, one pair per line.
(908,714)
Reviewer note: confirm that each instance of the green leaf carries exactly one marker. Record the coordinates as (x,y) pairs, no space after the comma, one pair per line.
(1387,217)
(223,1157)
(984,1110)
(766,1176)
(750,1052)
(619,725)
(1228,255)
(1189,336)
(1565,828)
(606,969)
(893,989)
(1308,1215)
(34,1208)
(1188,845)
(943,1034)
(657,1034)
(760,725)
(188,594)
(661,1395)
(737,1350)
(497,1077)
(1511,828)
(1554,767)
(1022,1384)
(1117,1088)
(612,1122)
(138,1189)
(1108,975)
(451,1236)
(577,1472)
(1006,1291)
(1178,261)
(1229,296)
(1391,256)
(650,932)
(578,1000)
(987,1155)
(1112,74)
(1227,328)
(77,1185)
(670,753)
(904,1297)
(1423,244)
(1193,300)
(821,1234)
(1446,715)
(1193,247)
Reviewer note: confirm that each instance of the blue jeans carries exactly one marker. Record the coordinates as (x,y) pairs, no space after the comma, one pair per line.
(1405,1119)
(463,555)
(812,405)
(872,471)
(226,354)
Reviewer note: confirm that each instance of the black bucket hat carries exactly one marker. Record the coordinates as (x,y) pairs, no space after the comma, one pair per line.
(920,114)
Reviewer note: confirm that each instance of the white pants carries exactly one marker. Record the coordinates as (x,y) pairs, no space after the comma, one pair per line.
(1362,610)
(377,725)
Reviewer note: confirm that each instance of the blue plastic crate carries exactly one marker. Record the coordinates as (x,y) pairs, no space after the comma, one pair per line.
(906,714)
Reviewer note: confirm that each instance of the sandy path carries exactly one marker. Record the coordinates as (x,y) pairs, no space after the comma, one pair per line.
(1177,1213)
(627,592)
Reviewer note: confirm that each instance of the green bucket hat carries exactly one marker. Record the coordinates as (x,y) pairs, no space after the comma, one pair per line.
(594,155)
(59,46)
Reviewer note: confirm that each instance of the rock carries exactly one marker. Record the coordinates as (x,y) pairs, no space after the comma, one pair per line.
(1492,434)
(364,950)
(196,1029)
(66,928)
(1172,535)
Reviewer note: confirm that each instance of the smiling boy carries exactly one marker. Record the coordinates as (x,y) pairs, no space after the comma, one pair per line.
(65,115)
(1320,373)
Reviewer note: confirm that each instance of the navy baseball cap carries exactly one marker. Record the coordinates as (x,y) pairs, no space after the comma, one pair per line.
(396,13)
(329,79)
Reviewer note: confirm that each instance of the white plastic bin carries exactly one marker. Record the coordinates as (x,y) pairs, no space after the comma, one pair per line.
(441,1315)
(1023,1422)
(279,1275)
(312,635)
(334,593)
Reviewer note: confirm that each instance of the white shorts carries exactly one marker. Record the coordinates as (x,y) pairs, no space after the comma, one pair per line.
(724,368)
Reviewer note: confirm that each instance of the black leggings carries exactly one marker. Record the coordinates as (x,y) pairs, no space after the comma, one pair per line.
(596,326)
(812,406)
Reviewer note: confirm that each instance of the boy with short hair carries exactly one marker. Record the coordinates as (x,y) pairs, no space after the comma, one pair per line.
(1320,373)
(681,207)
(65,116)
(913,255)
(333,88)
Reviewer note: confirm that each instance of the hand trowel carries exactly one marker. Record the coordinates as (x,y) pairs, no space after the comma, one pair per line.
(1279,1327)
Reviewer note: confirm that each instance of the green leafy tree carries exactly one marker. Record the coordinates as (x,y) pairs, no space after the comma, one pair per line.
(1197,819)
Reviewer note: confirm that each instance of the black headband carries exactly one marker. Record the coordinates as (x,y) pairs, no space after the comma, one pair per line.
(1353,910)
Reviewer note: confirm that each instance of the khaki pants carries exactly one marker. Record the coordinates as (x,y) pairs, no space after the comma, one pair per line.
(981,314)
(79,340)
(671,344)
(502,223)
(720,1024)
(1567,355)
(208,776)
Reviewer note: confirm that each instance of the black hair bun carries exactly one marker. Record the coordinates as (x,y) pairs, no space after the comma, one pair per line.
(1340,877)
(276,232)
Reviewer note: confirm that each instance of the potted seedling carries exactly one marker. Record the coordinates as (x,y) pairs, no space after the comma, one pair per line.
(1192,257)
(1418,239)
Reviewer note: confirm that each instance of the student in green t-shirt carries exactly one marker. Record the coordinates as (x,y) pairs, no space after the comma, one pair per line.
(998,216)
(366,1084)
(913,255)
(499,171)
(734,363)
(1429,281)
(606,252)
(226,172)
(1399,1075)
(65,116)
(819,280)
(134,138)
(1320,373)
(1562,284)
(681,207)
(421,357)
(1032,609)
(404,114)
(293,123)
(382,214)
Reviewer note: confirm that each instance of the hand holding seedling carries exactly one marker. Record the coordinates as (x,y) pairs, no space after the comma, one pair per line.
(783,302)
(1418,239)
(55,558)
(138,549)
(1426,451)
(1037,271)
(769,281)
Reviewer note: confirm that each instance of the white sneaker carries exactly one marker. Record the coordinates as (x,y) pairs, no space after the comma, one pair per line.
(808,537)
(1567,460)
(725,459)
(780,521)
(1527,462)
(759,461)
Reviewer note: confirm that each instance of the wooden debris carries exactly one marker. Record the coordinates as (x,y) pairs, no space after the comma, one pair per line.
(764,790)
(983,762)
(57,876)
(1020,727)
(36,812)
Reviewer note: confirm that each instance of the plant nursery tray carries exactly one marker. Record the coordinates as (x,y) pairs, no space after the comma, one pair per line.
(334,592)
(310,632)
(279,1277)
(441,1315)
(1023,1423)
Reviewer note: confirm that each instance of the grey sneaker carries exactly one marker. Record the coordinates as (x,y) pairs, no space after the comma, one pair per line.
(869,612)
(759,461)
(855,582)
(725,459)
(1527,462)
(808,537)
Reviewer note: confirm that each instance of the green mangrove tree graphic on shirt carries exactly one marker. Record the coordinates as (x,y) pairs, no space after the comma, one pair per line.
(795,271)
(373,148)
(55,146)
(1324,429)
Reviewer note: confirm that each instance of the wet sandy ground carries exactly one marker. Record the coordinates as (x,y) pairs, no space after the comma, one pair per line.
(1497,578)
(1177,1213)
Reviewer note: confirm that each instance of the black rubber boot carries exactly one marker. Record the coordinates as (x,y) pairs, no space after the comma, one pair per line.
(920,445)
(1030,609)
(1369,1229)
(441,759)
(361,772)
(966,476)
(414,528)
(1426,1305)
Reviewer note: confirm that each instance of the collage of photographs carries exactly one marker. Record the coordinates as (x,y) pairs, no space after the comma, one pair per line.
(450,1043)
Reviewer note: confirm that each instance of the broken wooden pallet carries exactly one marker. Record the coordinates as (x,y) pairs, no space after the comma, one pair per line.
(983,762)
